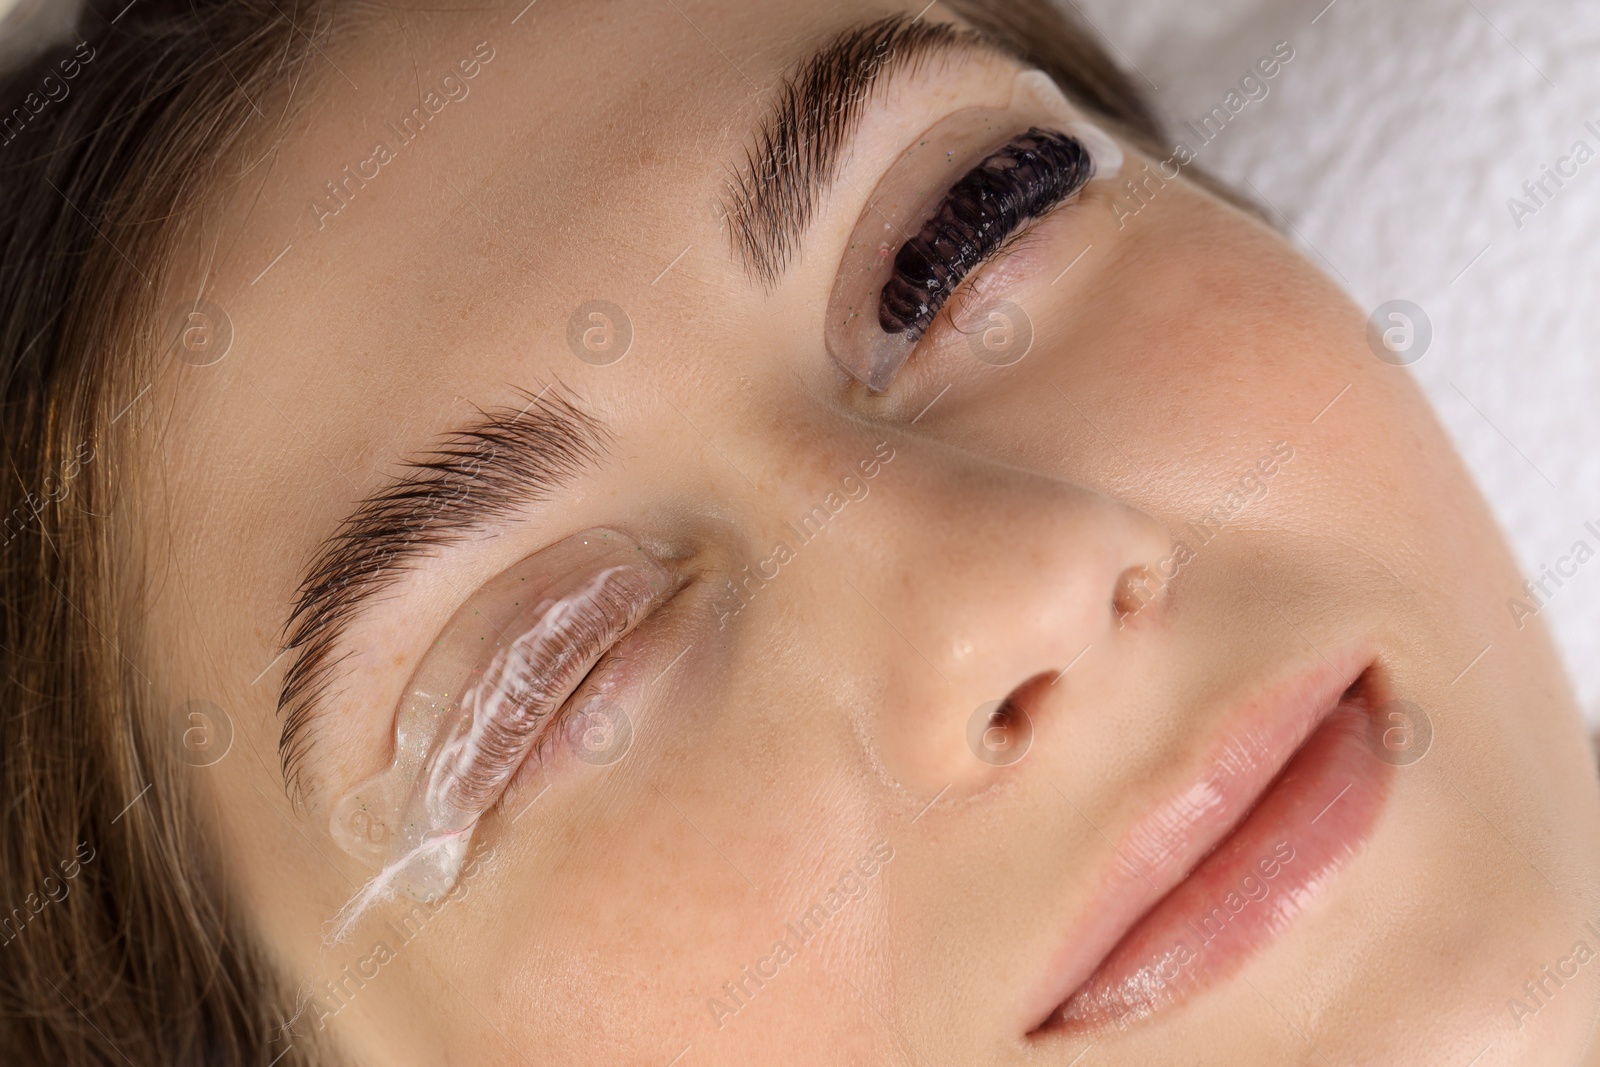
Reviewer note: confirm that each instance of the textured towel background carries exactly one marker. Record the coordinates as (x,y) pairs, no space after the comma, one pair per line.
(1391,144)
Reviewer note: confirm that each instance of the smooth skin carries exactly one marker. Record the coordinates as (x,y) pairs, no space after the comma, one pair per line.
(830,713)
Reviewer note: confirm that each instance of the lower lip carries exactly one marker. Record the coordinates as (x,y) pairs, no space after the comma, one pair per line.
(1305,828)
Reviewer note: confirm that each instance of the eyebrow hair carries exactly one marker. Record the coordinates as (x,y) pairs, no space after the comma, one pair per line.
(799,143)
(498,465)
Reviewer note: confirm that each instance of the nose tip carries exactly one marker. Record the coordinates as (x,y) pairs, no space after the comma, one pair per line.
(1119,552)
(1033,574)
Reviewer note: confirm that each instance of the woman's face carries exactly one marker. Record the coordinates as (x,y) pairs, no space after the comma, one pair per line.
(950,701)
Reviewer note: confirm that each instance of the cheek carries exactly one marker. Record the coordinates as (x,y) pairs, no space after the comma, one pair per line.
(1255,333)
(1258,347)
(571,921)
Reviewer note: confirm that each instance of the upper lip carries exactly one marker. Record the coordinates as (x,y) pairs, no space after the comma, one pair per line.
(1165,844)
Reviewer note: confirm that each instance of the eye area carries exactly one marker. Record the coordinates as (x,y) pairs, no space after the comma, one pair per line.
(508,709)
(1023,180)
(492,688)
(945,208)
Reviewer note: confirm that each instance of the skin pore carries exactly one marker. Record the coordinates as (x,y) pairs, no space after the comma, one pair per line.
(819,731)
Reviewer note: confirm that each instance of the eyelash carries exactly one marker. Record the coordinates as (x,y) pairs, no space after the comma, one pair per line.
(532,680)
(1021,181)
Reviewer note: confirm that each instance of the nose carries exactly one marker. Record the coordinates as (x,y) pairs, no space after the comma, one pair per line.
(982,584)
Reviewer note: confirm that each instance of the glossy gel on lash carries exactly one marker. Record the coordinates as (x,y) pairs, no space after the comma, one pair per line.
(478,703)
(943,208)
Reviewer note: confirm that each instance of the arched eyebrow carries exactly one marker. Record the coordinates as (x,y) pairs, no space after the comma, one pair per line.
(799,143)
(496,466)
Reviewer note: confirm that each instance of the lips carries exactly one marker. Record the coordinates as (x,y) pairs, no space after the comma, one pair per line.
(1211,875)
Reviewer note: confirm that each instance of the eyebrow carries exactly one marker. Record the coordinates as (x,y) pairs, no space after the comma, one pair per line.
(505,460)
(799,144)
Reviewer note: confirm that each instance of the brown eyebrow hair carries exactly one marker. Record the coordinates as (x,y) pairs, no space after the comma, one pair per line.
(507,459)
(799,144)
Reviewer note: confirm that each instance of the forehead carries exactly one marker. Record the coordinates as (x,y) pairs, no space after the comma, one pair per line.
(523,155)
(448,189)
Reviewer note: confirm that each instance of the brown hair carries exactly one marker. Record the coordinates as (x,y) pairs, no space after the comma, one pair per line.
(117,943)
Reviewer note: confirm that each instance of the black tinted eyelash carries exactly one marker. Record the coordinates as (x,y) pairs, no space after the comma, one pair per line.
(1033,173)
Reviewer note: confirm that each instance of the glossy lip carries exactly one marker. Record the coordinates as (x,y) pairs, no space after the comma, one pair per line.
(1261,784)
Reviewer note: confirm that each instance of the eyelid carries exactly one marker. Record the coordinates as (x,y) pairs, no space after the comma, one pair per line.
(909,194)
(483,696)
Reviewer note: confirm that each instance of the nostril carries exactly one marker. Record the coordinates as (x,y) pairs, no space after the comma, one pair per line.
(1005,726)
(1135,590)
(1001,731)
